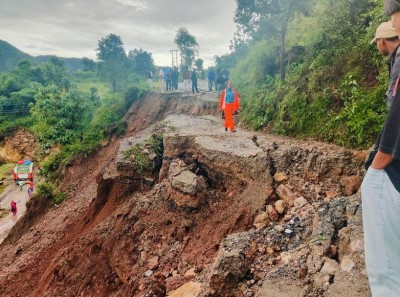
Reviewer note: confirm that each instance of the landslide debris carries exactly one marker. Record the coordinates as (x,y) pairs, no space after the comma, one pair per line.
(218,214)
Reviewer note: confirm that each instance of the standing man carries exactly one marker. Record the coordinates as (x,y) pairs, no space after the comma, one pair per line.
(168,79)
(380,192)
(175,77)
(193,77)
(387,42)
(229,104)
(186,78)
(211,78)
(150,78)
(161,79)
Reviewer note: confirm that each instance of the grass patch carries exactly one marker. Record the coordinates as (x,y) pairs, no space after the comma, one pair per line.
(140,159)
(2,187)
(4,212)
(50,192)
(145,155)
(8,123)
(6,170)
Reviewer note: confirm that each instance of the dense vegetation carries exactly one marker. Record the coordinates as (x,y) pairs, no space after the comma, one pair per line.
(73,111)
(332,84)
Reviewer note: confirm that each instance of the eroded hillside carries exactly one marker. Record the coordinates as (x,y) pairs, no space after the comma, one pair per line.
(201,212)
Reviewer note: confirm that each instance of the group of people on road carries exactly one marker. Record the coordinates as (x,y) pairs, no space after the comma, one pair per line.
(168,78)
(21,187)
(217,79)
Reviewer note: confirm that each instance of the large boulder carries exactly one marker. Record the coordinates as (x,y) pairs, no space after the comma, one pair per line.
(232,263)
(186,188)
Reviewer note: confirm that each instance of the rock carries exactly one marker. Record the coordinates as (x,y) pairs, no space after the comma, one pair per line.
(262,250)
(347,264)
(143,256)
(232,262)
(272,213)
(176,167)
(153,263)
(185,188)
(270,251)
(285,194)
(261,221)
(279,228)
(280,177)
(300,202)
(191,289)
(350,184)
(330,267)
(185,182)
(357,246)
(148,181)
(148,273)
(280,206)
(288,232)
(286,257)
(191,272)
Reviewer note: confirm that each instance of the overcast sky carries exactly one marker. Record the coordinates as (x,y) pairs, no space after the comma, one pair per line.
(72,28)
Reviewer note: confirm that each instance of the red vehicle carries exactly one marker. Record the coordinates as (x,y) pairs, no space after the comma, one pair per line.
(23,170)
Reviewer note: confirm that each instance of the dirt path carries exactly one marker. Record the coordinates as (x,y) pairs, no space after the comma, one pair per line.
(12,192)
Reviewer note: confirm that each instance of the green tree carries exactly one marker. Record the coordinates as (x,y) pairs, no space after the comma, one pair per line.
(142,62)
(256,17)
(53,74)
(199,64)
(60,116)
(112,59)
(187,46)
(57,61)
(88,64)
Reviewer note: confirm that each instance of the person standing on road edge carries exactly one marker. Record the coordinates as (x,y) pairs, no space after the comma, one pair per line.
(13,207)
(186,78)
(211,79)
(229,103)
(21,185)
(161,79)
(30,189)
(387,41)
(380,193)
(175,78)
(193,77)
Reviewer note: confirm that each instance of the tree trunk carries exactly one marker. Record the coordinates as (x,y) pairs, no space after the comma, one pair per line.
(282,53)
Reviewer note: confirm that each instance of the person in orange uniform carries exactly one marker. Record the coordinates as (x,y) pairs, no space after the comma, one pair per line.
(229,104)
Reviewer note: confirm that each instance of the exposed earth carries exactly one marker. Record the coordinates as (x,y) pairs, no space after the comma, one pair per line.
(204,212)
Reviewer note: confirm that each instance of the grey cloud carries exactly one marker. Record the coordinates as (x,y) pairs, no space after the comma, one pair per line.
(73,28)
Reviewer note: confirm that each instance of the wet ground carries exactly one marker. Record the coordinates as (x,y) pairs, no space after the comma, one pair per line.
(12,192)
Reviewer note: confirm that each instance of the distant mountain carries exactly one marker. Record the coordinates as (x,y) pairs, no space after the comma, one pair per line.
(71,63)
(10,56)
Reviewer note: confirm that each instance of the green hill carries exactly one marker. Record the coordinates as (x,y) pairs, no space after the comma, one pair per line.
(71,63)
(10,56)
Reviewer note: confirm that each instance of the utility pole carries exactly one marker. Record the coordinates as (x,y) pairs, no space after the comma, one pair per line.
(174,54)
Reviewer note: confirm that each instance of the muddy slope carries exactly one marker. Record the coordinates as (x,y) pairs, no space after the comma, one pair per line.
(227,214)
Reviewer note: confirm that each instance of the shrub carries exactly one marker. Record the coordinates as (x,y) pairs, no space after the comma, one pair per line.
(50,192)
